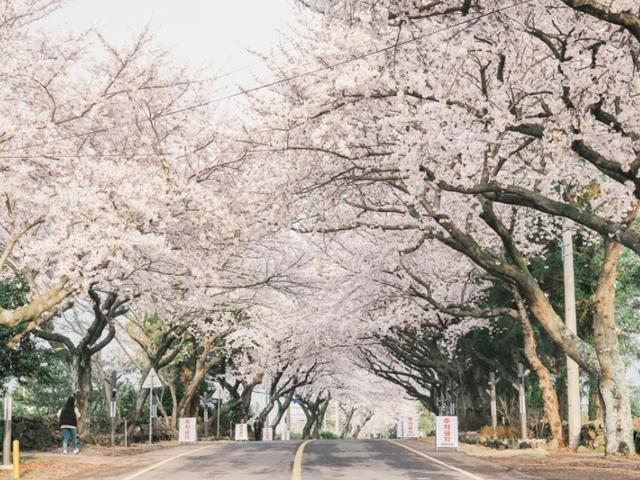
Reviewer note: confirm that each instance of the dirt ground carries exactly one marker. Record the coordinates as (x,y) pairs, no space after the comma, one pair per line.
(91,462)
(572,467)
(544,465)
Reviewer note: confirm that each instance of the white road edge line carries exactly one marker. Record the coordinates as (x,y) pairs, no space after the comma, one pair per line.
(451,467)
(167,460)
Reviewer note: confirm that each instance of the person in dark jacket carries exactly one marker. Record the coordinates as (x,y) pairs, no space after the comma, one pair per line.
(257,429)
(68,416)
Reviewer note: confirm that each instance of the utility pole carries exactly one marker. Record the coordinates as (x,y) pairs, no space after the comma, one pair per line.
(218,396)
(205,415)
(218,422)
(114,393)
(6,444)
(288,422)
(573,373)
(493,381)
(266,404)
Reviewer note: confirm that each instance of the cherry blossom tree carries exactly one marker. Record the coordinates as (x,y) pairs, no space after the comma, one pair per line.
(442,101)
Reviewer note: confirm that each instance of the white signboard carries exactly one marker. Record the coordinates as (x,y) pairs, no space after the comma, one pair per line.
(152,380)
(188,430)
(242,432)
(267,434)
(446,432)
(407,427)
(219,393)
(286,436)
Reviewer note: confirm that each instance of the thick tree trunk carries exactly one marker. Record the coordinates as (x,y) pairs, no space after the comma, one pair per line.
(347,422)
(322,410)
(267,410)
(188,406)
(282,409)
(594,411)
(614,394)
(174,404)
(141,400)
(356,431)
(308,426)
(546,316)
(81,368)
(545,382)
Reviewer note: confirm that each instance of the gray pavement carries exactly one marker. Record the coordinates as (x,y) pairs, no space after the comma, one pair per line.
(322,460)
(382,460)
(228,461)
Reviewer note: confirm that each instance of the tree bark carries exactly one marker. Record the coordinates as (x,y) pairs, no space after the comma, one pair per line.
(174,403)
(81,370)
(79,356)
(545,382)
(322,410)
(612,385)
(206,360)
(30,312)
(594,411)
(282,409)
(356,431)
(347,422)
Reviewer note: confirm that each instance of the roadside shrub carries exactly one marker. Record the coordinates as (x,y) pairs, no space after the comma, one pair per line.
(502,432)
(38,433)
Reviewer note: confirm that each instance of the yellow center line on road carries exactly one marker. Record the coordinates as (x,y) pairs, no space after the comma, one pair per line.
(470,475)
(296,473)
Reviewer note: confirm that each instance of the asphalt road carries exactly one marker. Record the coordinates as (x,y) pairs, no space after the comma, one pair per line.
(320,460)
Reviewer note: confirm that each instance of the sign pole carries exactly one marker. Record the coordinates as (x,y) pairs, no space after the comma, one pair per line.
(494,410)
(205,417)
(151,383)
(218,422)
(6,444)
(151,412)
(113,408)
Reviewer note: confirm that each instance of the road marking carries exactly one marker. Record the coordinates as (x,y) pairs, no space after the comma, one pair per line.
(429,457)
(296,473)
(159,464)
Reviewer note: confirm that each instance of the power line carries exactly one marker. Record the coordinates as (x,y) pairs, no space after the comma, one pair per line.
(292,77)
(349,60)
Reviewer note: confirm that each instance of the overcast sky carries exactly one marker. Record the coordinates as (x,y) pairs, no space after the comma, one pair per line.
(211,33)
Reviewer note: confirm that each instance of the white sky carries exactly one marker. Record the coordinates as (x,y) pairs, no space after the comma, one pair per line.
(201,33)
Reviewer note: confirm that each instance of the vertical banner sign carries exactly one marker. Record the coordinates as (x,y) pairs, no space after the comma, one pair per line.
(267,434)
(286,436)
(188,430)
(410,430)
(446,432)
(407,427)
(242,432)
